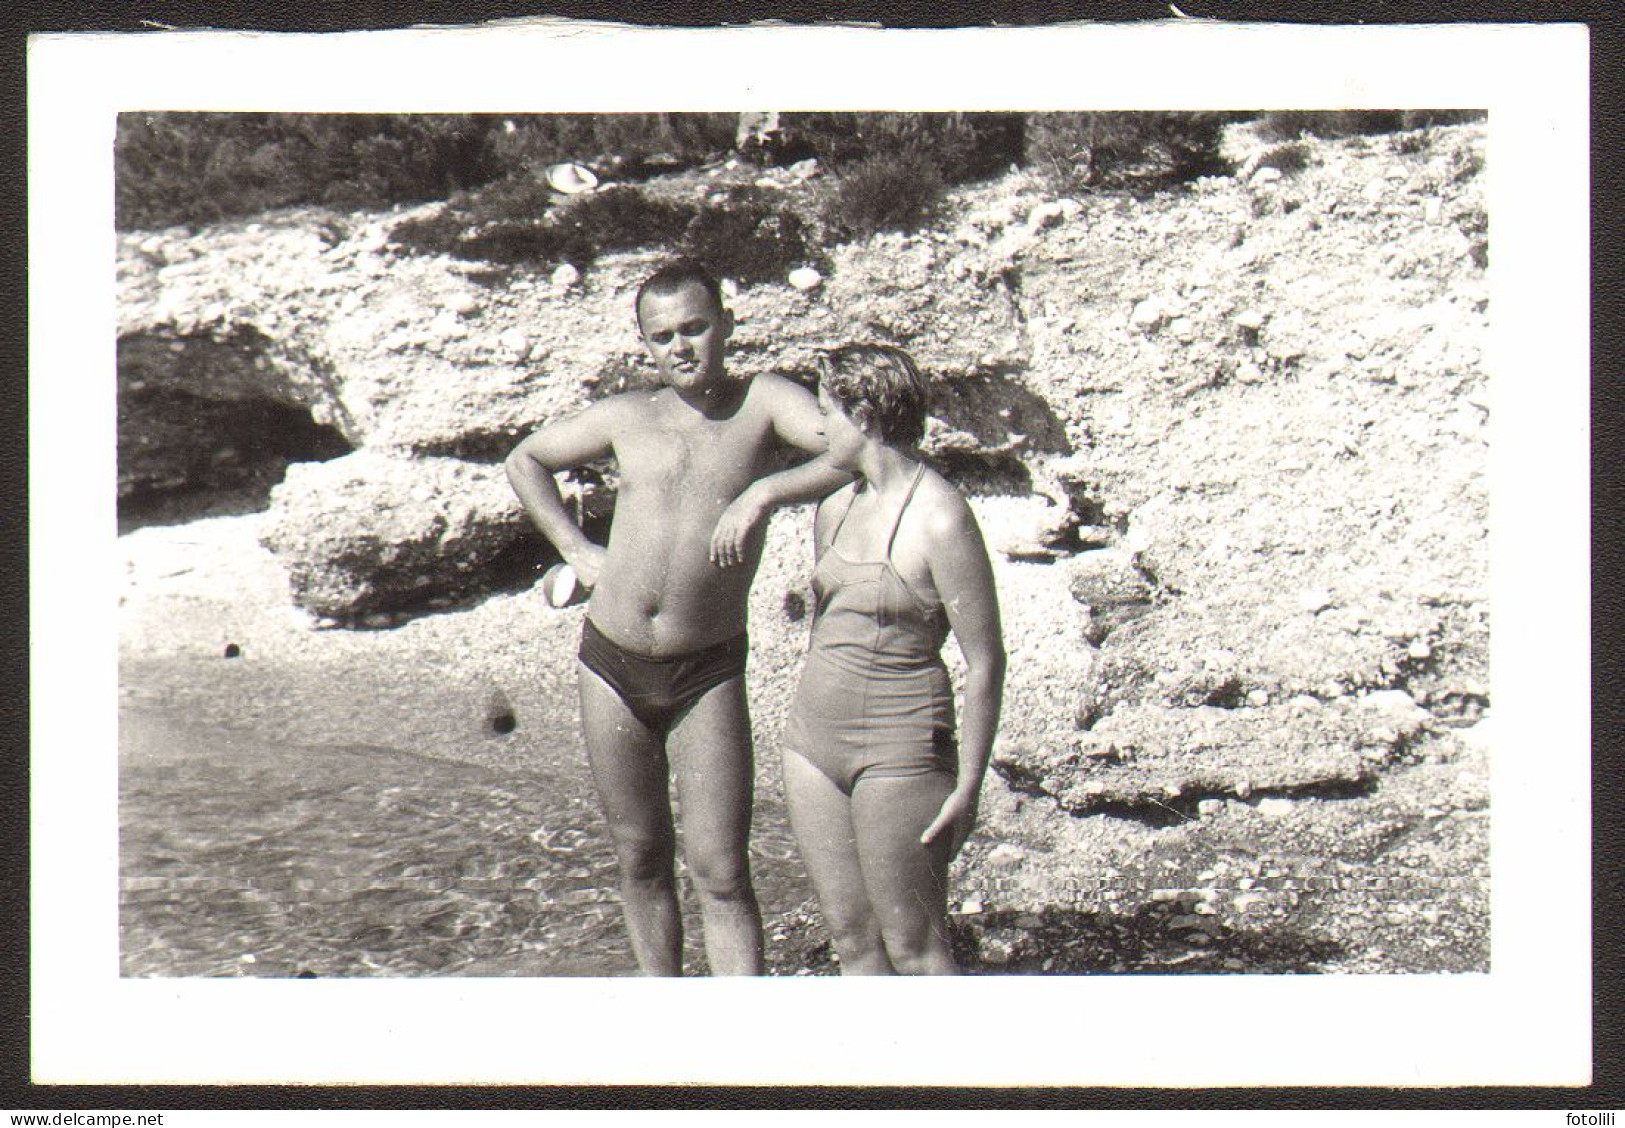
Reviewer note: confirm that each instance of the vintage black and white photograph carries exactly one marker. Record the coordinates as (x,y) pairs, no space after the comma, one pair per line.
(1037,543)
(1174,423)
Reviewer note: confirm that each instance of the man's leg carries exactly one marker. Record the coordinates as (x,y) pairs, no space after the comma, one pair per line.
(711,755)
(629,768)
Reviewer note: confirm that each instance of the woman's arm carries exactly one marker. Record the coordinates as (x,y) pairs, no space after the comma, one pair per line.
(963,576)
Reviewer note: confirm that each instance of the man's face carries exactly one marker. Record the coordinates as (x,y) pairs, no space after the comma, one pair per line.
(685,330)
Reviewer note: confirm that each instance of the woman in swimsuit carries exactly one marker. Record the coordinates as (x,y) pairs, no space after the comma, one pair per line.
(881,794)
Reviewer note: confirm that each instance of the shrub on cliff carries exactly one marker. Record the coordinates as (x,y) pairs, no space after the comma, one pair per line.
(892,192)
(515,225)
(1288,125)
(963,146)
(534,140)
(748,238)
(173,168)
(1132,149)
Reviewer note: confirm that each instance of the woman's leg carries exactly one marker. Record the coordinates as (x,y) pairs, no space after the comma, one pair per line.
(820,816)
(907,882)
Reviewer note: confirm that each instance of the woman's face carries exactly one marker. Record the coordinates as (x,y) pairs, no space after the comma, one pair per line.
(845,438)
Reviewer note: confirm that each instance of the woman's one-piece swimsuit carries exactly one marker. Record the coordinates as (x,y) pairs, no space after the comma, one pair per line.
(874,698)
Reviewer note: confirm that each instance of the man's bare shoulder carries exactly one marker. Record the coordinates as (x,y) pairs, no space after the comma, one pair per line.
(773,388)
(625,409)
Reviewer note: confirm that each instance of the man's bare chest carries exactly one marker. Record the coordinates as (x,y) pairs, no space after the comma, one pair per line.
(701,460)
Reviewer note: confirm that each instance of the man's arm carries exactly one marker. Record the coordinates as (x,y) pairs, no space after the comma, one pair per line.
(560,446)
(799,424)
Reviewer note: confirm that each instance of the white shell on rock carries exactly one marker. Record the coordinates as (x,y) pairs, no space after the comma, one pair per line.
(571,179)
(565,275)
(805,278)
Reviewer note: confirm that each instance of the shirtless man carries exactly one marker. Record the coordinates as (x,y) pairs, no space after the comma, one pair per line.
(663,646)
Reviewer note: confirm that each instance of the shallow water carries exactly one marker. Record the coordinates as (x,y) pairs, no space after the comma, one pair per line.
(240,856)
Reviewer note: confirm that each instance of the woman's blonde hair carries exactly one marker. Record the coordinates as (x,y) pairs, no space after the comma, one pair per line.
(880,388)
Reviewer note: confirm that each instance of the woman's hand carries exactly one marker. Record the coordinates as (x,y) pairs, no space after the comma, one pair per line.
(957,816)
(735,528)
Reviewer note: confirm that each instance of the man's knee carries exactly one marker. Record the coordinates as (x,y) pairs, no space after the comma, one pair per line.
(644,857)
(921,953)
(719,877)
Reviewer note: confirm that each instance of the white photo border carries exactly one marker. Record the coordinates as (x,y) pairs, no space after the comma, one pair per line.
(1526,1022)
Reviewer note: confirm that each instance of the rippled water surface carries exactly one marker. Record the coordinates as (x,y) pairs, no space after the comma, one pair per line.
(243,857)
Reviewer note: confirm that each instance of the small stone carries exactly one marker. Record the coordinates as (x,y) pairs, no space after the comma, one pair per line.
(1207,808)
(1432,813)
(1005,855)
(1047,214)
(1266,175)
(971,907)
(1249,373)
(1183,329)
(1246,883)
(1257,698)
(1249,902)
(462,304)
(1315,600)
(1433,210)
(805,278)
(1244,788)
(1180,923)
(1094,787)
(1432,916)
(1375,189)
(1095,536)
(1147,315)
(513,340)
(1250,320)
(565,275)
(247,957)
(1233,965)
(1275,807)
(1419,650)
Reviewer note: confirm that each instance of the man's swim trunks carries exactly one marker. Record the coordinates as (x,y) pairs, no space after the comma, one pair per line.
(660,690)
(874,699)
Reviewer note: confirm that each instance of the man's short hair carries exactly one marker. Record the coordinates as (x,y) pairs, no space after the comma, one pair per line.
(673,277)
(880,388)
